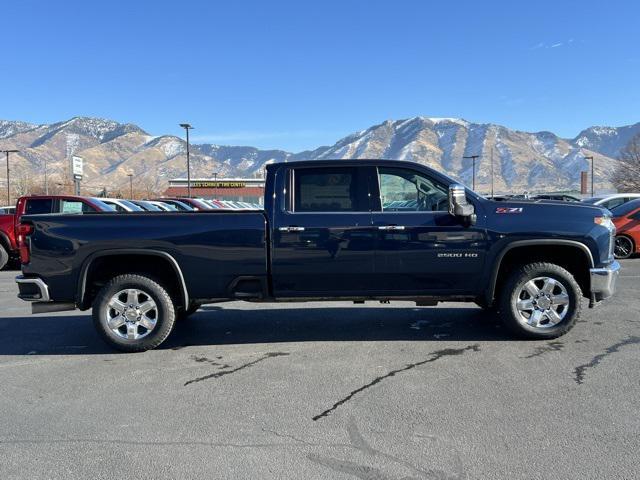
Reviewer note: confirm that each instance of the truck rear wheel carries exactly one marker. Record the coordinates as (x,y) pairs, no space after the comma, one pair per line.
(4,257)
(540,301)
(133,313)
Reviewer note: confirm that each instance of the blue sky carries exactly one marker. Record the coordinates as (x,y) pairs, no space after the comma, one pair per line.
(299,74)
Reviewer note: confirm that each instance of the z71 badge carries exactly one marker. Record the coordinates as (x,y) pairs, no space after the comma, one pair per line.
(509,210)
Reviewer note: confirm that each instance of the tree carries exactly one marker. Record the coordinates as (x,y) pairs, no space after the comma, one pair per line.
(626,176)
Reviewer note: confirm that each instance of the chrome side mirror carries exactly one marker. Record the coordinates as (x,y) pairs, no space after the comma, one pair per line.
(458,205)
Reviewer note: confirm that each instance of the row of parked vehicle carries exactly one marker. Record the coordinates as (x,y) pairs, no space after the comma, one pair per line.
(41,204)
(174,204)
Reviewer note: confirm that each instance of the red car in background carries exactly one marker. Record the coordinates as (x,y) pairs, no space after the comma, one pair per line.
(32,205)
(626,218)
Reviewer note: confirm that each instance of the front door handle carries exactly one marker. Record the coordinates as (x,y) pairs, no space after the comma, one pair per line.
(391,228)
(291,229)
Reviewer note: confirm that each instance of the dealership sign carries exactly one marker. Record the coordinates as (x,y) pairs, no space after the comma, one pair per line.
(77,167)
(218,184)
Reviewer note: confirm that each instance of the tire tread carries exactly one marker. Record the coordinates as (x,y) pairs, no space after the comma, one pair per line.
(154,339)
(532,270)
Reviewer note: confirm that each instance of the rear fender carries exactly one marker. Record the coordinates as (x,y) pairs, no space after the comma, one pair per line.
(82,284)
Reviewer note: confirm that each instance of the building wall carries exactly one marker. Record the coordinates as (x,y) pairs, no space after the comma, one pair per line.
(243,190)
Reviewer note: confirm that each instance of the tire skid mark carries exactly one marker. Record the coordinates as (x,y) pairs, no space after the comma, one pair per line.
(434,356)
(234,370)
(554,346)
(580,370)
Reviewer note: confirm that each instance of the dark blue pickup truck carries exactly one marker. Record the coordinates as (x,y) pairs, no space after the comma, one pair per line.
(331,230)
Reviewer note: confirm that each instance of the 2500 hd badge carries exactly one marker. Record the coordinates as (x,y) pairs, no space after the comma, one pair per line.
(458,255)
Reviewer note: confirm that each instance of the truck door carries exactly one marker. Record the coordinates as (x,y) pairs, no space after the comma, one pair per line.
(420,247)
(323,240)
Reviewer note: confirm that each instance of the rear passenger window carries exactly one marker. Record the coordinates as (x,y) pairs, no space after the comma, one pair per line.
(71,206)
(38,205)
(329,190)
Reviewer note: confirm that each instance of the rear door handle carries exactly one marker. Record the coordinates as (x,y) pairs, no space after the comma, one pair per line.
(391,228)
(291,229)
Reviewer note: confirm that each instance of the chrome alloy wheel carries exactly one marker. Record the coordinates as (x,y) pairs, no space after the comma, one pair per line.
(543,302)
(131,314)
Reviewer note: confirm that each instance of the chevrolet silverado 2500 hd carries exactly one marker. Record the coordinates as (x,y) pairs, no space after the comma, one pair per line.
(330,230)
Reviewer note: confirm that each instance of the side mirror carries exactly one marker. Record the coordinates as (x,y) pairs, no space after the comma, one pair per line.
(458,205)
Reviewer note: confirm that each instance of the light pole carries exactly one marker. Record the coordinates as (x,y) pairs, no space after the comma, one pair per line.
(591,158)
(473,157)
(130,175)
(188,127)
(491,172)
(8,183)
(215,183)
(46,180)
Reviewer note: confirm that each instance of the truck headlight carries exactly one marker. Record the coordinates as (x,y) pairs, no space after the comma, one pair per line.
(606,222)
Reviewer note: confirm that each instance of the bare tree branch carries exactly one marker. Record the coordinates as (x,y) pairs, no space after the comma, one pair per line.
(626,177)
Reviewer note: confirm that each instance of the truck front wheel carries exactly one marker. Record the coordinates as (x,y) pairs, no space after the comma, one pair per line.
(540,301)
(133,313)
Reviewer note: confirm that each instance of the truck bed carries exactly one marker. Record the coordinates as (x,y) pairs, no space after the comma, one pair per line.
(212,248)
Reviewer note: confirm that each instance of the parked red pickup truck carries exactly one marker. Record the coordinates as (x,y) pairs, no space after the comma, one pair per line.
(30,205)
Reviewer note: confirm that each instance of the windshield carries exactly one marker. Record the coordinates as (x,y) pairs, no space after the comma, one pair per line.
(625,208)
(131,205)
(149,206)
(201,204)
(103,205)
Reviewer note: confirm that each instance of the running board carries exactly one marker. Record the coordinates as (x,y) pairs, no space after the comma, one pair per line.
(48,307)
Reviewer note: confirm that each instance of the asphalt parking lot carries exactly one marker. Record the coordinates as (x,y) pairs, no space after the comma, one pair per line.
(333,390)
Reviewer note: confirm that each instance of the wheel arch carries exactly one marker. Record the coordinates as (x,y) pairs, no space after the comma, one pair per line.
(84,296)
(498,271)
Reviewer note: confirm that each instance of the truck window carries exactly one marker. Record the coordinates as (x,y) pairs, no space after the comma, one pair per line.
(36,206)
(613,203)
(71,206)
(336,189)
(404,190)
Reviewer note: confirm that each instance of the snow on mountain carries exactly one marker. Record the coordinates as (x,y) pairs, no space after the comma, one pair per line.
(539,161)
(606,140)
(521,160)
(9,128)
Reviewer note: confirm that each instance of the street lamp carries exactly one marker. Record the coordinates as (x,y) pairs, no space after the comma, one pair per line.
(591,158)
(188,127)
(473,157)
(215,185)
(8,184)
(130,175)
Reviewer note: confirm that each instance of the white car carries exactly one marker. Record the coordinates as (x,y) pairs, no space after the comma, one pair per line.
(121,205)
(612,201)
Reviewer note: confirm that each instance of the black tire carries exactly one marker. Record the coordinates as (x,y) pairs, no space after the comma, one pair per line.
(624,247)
(4,257)
(513,288)
(164,311)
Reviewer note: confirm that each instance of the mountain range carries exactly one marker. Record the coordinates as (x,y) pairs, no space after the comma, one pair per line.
(539,161)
